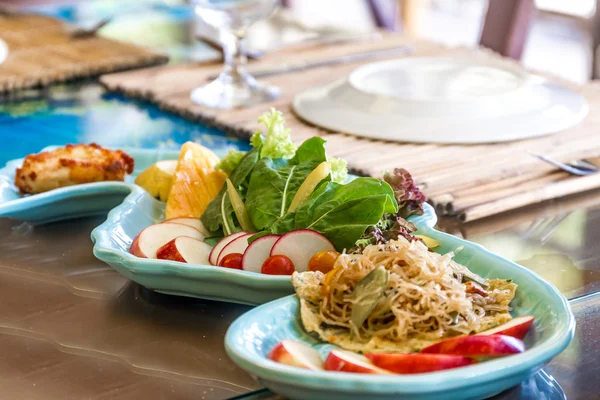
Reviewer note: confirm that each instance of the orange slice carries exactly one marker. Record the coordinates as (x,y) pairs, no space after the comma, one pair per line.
(195,182)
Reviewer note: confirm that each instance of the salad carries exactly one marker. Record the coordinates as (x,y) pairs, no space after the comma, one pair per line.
(276,209)
(398,307)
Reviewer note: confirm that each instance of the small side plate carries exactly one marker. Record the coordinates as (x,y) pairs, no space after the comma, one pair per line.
(72,201)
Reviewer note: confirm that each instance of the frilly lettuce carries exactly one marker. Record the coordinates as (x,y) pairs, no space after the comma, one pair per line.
(339,170)
(230,161)
(277,143)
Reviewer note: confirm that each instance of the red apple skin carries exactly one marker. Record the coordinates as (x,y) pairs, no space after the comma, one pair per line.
(417,363)
(519,330)
(334,362)
(280,354)
(135,247)
(477,346)
(169,252)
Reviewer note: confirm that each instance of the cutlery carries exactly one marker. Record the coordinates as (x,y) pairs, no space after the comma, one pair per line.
(350,58)
(80,32)
(581,167)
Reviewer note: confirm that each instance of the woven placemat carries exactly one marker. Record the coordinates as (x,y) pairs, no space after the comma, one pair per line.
(470,181)
(42,52)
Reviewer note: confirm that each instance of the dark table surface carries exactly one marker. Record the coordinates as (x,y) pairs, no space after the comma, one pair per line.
(73,328)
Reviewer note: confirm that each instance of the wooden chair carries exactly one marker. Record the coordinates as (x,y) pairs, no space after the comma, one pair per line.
(506,26)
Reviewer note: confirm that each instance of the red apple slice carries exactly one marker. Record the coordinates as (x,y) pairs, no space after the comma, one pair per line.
(347,361)
(148,241)
(297,355)
(185,249)
(257,252)
(214,254)
(237,245)
(478,346)
(417,363)
(516,327)
(193,222)
(300,246)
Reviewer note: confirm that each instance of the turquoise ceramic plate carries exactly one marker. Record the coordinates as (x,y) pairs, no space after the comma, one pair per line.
(252,336)
(113,238)
(73,201)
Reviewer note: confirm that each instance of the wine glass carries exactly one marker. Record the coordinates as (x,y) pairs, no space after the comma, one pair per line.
(234,87)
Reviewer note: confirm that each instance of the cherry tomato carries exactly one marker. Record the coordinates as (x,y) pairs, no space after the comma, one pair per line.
(233,261)
(323,261)
(278,265)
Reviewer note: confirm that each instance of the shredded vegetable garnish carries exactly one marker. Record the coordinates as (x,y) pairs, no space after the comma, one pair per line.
(426,298)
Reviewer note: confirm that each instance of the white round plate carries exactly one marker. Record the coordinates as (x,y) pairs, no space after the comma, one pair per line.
(441,100)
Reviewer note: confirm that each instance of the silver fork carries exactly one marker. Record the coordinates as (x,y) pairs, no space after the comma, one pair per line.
(581,167)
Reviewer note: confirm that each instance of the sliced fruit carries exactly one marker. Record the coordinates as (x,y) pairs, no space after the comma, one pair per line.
(185,249)
(429,242)
(158,178)
(148,241)
(195,182)
(309,184)
(232,261)
(516,327)
(237,245)
(347,361)
(417,363)
(257,253)
(477,346)
(323,261)
(239,208)
(193,222)
(214,254)
(278,265)
(297,355)
(300,246)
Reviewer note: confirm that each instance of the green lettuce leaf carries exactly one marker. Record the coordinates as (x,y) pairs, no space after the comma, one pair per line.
(341,212)
(277,142)
(230,161)
(274,183)
(219,216)
(339,170)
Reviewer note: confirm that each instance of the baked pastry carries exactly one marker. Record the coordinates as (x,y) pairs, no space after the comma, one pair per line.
(71,165)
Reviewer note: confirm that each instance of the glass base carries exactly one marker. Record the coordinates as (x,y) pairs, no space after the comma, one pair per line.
(233,92)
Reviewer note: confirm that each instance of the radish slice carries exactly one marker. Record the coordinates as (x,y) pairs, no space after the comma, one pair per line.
(257,252)
(214,254)
(148,241)
(193,222)
(299,246)
(185,249)
(237,245)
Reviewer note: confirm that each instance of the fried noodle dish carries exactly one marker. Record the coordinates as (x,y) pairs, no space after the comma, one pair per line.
(399,296)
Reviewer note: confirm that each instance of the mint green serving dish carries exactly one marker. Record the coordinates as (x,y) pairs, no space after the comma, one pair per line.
(72,201)
(253,335)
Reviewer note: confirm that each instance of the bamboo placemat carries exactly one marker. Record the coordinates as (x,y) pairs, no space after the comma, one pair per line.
(471,181)
(41,52)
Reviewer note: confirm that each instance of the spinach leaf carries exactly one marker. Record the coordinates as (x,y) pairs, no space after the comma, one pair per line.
(274,183)
(341,212)
(219,216)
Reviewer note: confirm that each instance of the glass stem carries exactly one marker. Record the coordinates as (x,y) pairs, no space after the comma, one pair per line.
(234,57)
